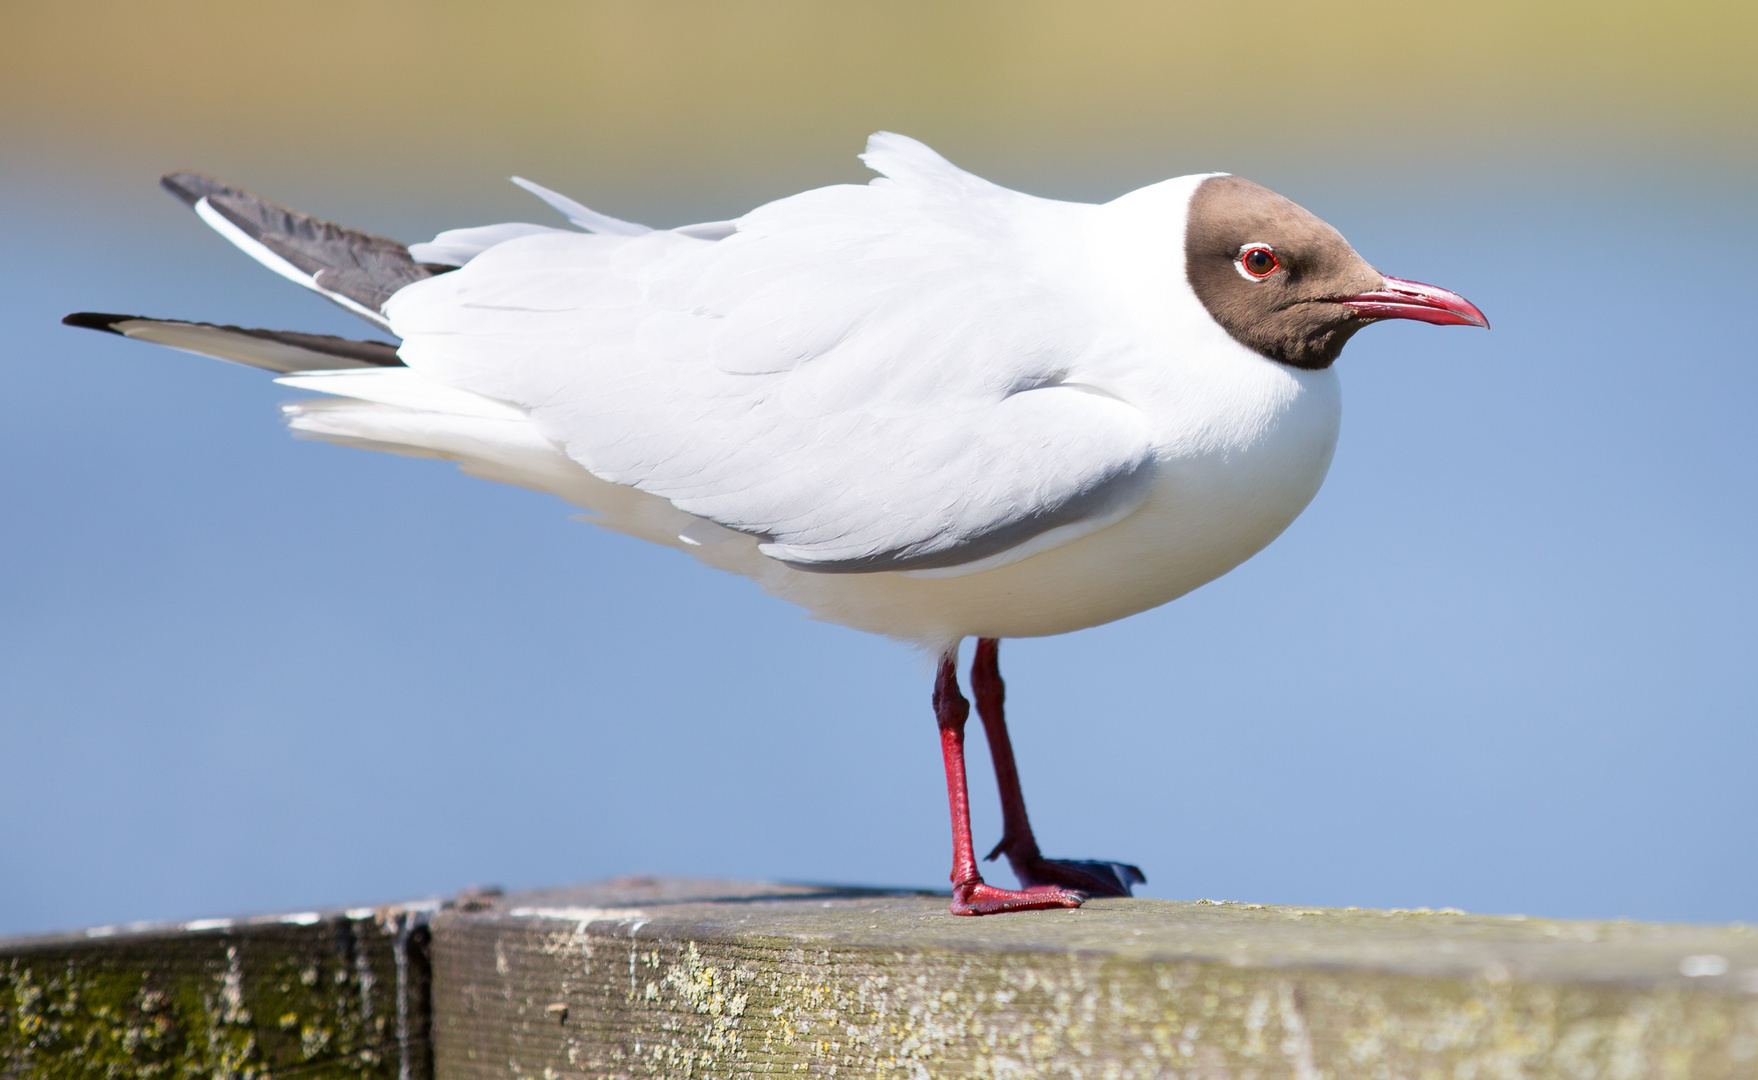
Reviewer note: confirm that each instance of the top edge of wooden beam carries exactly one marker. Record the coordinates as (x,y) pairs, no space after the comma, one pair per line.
(1444,944)
(151,929)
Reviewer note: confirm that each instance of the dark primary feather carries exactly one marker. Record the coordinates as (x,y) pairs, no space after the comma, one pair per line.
(272,350)
(359,265)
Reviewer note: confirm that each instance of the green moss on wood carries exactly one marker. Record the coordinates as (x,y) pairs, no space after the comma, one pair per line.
(246,1002)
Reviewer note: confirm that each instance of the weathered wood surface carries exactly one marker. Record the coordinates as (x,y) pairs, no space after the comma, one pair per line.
(643,978)
(706,979)
(307,994)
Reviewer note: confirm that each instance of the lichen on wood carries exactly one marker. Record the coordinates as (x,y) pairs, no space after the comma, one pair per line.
(869,985)
(305,995)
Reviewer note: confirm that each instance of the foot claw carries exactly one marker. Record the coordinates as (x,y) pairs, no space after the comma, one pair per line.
(1094,877)
(979,898)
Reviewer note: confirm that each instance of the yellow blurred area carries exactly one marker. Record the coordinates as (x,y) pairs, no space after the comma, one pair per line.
(643,88)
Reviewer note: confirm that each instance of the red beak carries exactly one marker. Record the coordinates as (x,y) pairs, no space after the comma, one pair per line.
(1402,299)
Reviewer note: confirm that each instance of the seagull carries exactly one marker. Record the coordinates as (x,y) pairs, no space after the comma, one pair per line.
(928,407)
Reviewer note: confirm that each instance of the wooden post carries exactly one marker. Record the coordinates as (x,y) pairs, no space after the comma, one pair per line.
(669,978)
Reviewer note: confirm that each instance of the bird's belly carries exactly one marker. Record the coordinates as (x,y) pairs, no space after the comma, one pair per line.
(1206,513)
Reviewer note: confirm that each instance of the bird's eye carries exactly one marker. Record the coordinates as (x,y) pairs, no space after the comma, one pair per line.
(1258,262)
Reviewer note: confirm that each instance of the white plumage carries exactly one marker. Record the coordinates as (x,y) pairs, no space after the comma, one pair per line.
(928,407)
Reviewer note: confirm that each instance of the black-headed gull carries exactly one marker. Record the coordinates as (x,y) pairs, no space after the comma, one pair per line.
(928,407)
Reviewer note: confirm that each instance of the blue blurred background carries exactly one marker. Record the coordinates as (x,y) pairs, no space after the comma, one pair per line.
(1504,662)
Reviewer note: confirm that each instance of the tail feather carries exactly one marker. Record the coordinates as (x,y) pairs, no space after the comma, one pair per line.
(356,269)
(373,400)
(405,389)
(510,451)
(283,351)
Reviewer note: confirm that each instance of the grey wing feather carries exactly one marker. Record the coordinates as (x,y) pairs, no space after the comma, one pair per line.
(1119,490)
(359,265)
(281,351)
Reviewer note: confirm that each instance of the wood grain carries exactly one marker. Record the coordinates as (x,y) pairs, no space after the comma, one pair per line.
(703,979)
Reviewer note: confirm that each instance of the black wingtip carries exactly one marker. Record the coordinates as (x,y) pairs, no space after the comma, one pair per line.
(192,187)
(97,320)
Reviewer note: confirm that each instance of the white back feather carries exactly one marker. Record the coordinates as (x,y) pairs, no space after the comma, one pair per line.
(583,216)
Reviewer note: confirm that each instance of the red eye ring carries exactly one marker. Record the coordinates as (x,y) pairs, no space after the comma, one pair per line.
(1258,262)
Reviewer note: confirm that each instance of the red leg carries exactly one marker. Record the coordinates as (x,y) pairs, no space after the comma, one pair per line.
(970,896)
(1035,872)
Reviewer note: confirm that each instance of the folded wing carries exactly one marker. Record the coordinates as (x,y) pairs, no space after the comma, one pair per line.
(869,378)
